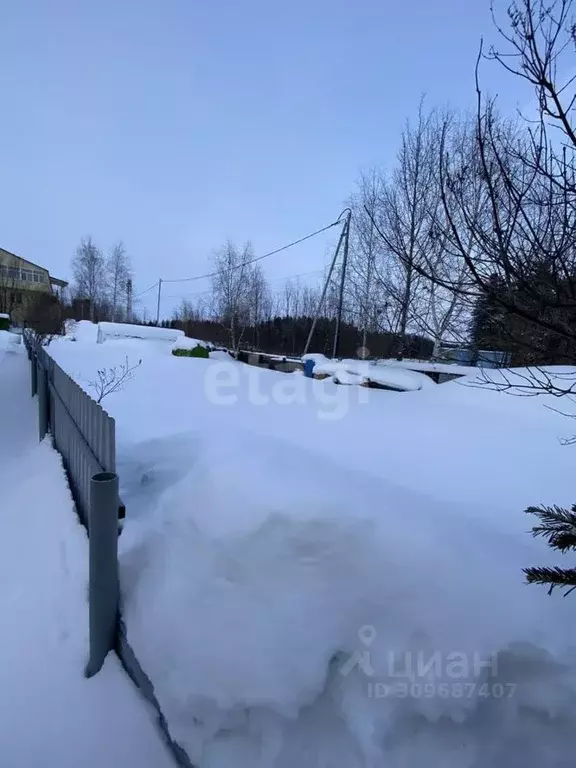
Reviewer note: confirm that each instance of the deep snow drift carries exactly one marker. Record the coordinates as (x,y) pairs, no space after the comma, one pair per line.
(340,592)
(262,571)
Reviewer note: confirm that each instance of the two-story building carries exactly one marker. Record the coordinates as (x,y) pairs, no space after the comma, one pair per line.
(22,283)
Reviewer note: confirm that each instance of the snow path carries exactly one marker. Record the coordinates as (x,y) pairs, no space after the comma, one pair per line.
(50,714)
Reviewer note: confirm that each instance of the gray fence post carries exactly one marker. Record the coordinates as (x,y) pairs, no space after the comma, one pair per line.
(103,586)
(33,373)
(43,402)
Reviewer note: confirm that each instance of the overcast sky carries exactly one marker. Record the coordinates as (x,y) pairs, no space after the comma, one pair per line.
(174,125)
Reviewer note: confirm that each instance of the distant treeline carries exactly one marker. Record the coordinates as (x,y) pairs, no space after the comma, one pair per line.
(287,336)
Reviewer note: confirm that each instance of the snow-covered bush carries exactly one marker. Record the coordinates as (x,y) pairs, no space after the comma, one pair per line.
(197,351)
(185,342)
(187,347)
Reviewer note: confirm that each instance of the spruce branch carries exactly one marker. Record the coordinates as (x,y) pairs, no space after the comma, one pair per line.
(558,526)
(552,577)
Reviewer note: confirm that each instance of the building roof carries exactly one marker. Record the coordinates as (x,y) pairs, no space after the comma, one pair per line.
(59,283)
(53,280)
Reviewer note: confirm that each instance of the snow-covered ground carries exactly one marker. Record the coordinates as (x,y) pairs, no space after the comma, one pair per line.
(8,341)
(330,576)
(50,715)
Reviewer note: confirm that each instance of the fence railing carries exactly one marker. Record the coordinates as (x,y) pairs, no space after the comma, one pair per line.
(85,436)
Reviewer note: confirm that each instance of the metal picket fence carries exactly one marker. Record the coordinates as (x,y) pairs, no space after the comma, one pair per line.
(84,434)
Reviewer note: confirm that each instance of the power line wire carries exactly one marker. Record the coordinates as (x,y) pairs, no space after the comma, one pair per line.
(257,258)
(269,280)
(299,274)
(238,266)
(188,295)
(146,291)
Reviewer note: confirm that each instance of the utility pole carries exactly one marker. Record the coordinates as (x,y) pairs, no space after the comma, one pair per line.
(346,234)
(129,301)
(366,312)
(324,291)
(158,307)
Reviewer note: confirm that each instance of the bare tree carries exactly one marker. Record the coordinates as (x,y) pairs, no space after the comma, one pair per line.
(291,299)
(310,297)
(229,288)
(298,299)
(257,294)
(406,214)
(257,298)
(450,287)
(188,310)
(366,294)
(443,316)
(446,304)
(417,281)
(119,272)
(519,252)
(89,275)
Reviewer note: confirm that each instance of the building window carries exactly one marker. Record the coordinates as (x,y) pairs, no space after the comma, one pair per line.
(23,275)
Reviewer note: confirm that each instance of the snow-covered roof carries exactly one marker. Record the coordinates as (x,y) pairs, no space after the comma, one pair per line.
(430,367)
(128,331)
(360,371)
